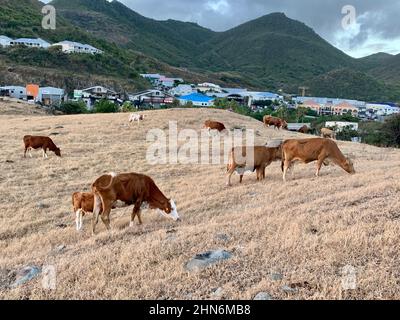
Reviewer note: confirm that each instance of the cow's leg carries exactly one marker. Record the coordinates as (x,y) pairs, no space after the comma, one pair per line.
(320,162)
(26,149)
(241,178)
(286,167)
(136,212)
(30,152)
(230,173)
(105,217)
(96,213)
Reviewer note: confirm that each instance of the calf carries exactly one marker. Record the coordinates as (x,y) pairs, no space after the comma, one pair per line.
(133,189)
(310,150)
(36,142)
(82,203)
(328,133)
(242,159)
(304,129)
(276,122)
(214,125)
(136,117)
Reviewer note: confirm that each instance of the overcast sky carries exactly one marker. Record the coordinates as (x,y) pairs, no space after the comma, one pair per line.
(376,28)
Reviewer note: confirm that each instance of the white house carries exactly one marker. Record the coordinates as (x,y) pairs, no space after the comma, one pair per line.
(16,92)
(33,43)
(181,90)
(209,87)
(151,97)
(5,41)
(93,94)
(382,109)
(340,125)
(76,47)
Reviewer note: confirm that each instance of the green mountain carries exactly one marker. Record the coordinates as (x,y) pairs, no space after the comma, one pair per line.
(270,53)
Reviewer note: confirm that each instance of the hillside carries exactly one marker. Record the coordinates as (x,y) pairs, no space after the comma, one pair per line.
(306,230)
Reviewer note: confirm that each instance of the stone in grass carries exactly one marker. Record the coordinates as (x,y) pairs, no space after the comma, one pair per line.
(276,276)
(26,274)
(203,260)
(263,296)
(217,293)
(41,205)
(288,289)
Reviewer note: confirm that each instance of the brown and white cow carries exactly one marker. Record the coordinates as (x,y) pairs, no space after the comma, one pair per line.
(214,125)
(136,117)
(304,129)
(242,159)
(276,122)
(133,189)
(82,203)
(37,142)
(310,150)
(328,133)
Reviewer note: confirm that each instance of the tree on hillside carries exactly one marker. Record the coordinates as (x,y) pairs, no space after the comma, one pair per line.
(391,131)
(105,106)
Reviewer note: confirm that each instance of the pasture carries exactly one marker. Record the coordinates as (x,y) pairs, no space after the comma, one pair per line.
(306,230)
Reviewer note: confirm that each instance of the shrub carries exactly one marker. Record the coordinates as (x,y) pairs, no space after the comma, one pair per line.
(127,107)
(105,106)
(73,107)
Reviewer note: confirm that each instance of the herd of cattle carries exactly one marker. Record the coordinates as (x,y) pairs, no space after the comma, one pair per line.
(142,192)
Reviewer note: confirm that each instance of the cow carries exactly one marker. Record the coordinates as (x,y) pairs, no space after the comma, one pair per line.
(276,122)
(133,189)
(304,129)
(214,125)
(82,203)
(309,150)
(242,159)
(136,117)
(36,142)
(328,133)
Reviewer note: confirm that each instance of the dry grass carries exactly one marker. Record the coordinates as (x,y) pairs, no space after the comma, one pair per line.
(306,229)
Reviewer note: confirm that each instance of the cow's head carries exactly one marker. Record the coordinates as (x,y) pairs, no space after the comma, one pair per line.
(170,211)
(57,151)
(349,166)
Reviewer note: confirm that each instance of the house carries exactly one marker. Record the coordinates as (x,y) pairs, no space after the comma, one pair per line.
(16,92)
(167,82)
(197,99)
(344,108)
(209,87)
(181,90)
(380,109)
(261,96)
(33,43)
(5,41)
(93,94)
(152,97)
(340,125)
(76,47)
(50,96)
(313,105)
(329,101)
(152,77)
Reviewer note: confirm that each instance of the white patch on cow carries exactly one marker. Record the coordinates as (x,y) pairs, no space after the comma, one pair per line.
(79,220)
(113,174)
(131,224)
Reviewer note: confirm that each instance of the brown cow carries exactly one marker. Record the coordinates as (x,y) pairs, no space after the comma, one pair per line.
(242,159)
(309,150)
(304,129)
(214,125)
(328,133)
(36,142)
(82,202)
(276,122)
(131,188)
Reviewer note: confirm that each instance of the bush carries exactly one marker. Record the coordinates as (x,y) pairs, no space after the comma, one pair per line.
(73,107)
(127,107)
(105,106)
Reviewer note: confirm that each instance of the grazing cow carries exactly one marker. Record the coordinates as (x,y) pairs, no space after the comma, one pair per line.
(214,125)
(304,129)
(328,133)
(309,150)
(133,189)
(136,117)
(276,122)
(241,160)
(36,142)
(82,202)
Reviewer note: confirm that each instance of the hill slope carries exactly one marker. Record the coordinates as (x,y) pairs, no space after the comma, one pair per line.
(307,230)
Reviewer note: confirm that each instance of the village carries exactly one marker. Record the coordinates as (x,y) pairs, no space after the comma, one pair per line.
(166,92)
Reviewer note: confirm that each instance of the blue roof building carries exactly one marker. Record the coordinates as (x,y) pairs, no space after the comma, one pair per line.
(198,100)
